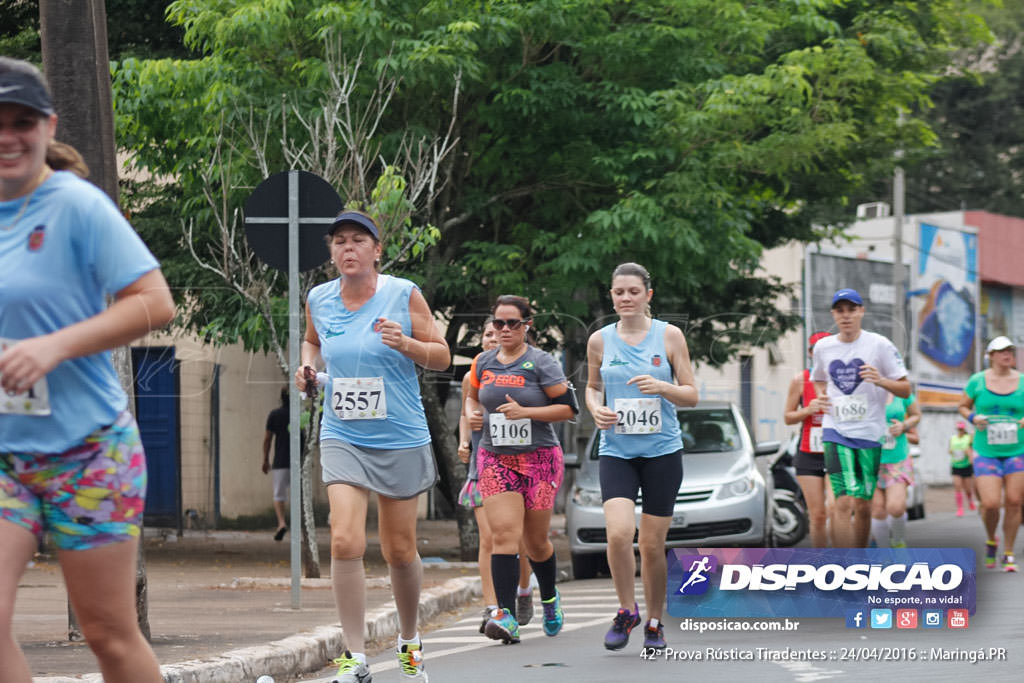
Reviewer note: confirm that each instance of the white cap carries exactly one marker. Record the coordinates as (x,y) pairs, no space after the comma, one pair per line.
(998,344)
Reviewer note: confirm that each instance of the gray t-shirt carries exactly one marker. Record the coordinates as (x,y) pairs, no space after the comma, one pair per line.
(524,380)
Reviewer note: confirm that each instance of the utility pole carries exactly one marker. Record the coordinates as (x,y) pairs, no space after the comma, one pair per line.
(899,336)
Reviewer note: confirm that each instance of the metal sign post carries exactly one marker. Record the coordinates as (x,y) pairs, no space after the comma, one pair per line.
(310,200)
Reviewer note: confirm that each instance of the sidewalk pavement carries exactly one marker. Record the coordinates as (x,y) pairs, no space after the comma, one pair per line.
(220,605)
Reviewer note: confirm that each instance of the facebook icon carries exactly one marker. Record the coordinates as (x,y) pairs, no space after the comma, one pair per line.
(855,619)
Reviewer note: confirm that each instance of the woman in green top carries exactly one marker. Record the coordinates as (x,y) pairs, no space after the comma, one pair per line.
(962,467)
(993,402)
(889,502)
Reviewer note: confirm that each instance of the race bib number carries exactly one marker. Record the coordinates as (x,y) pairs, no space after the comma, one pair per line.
(889,442)
(815,441)
(505,432)
(638,415)
(851,408)
(359,398)
(1002,433)
(35,401)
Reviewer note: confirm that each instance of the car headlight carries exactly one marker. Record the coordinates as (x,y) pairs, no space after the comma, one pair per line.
(738,487)
(586,497)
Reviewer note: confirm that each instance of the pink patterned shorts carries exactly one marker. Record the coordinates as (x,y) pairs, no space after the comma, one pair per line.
(891,473)
(536,476)
(86,497)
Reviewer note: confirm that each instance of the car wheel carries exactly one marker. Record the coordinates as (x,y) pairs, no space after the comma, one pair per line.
(588,565)
(789,522)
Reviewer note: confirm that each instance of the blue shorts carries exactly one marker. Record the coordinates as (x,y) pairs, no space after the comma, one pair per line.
(86,497)
(997,467)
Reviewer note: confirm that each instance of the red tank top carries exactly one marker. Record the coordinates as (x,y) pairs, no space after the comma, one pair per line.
(814,420)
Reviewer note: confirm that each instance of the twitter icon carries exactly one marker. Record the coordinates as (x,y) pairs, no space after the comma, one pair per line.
(881,618)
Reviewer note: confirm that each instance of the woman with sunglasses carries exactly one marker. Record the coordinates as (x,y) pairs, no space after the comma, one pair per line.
(519,392)
(469,496)
(371,330)
(638,372)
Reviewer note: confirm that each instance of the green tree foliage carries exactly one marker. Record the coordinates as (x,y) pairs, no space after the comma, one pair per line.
(978,115)
(687,135)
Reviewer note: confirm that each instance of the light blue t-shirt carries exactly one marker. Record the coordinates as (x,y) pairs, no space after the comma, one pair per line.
(351,349)
(68,251)
(622,362)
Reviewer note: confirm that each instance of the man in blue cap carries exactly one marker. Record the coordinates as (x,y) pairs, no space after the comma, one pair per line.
(857,370)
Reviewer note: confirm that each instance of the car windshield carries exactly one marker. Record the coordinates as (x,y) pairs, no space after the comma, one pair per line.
(708,431)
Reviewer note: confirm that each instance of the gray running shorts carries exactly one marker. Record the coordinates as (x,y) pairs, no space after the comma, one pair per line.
(396,473)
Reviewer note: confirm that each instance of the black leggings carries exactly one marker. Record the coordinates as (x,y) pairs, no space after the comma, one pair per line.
(658,477)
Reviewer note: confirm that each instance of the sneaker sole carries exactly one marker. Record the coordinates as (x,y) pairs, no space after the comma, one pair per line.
(495,632)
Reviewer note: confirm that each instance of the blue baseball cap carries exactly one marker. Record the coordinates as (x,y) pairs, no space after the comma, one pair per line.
(850,295)
(355,218)
(27,90)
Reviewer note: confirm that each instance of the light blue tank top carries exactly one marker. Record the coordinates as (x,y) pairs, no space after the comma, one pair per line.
(620,363)
(350,348)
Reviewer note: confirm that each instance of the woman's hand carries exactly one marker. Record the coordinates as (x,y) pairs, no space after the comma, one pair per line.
(391,334)
(26,362)
(648,385)
(512,410)
(605,417)
(464,452)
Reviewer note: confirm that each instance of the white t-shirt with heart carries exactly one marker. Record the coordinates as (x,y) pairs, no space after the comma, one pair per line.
(857,407)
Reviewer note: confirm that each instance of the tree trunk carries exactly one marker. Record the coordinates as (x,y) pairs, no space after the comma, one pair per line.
(451,470)
(75,60)
(310,549)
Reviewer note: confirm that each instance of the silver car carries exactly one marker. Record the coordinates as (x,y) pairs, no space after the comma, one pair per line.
(724,499)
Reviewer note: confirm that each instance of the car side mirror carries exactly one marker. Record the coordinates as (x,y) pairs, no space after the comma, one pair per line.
(767,447)
(571,460)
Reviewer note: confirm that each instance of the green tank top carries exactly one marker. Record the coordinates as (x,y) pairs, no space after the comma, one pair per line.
(1002,437)
(959,445)
(895,449)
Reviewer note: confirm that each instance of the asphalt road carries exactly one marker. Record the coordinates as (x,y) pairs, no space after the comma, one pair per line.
(457,652)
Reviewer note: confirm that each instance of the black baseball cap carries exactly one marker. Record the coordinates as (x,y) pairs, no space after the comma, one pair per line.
(26,90)
(355,218)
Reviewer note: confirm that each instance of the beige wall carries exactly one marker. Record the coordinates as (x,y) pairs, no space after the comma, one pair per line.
(249,389)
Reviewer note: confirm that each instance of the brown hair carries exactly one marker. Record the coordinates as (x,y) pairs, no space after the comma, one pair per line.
(519,302)
(61,156)
(635,270)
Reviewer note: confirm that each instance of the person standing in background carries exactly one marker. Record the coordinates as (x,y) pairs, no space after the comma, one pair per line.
(962,467)
(280,468)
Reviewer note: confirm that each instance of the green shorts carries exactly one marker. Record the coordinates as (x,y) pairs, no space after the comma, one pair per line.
(852,471)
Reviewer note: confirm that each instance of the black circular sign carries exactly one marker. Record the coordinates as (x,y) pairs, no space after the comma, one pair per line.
(266,219)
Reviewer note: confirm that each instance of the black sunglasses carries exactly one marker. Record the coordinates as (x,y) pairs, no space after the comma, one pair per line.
(499,324)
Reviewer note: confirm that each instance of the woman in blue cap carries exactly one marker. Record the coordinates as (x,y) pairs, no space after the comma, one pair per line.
(371,330)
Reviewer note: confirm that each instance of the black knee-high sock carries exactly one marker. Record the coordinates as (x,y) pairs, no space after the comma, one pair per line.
(545,572)
(505,573)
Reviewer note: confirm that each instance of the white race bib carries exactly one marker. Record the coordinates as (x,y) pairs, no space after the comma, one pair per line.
(35,401)
(851,408)
(359,398)
(815,441)
(889,442)
(505,432)
(1001,433)
(638,415)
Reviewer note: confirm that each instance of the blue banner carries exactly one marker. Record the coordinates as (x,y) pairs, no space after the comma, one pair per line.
(817,582)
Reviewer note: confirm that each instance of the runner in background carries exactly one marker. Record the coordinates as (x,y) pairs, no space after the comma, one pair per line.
(962,467)
(889,503)
(520,390)
(857,369)
(469,496)
(805,408)
(371,331)
(638,373)
(993,402)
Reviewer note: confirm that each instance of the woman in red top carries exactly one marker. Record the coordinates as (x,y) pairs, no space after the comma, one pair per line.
(805,408)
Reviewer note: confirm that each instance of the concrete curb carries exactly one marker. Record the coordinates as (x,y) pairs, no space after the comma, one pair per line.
(304,653)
